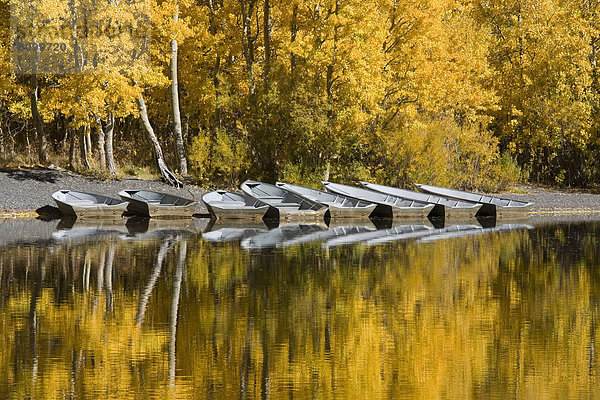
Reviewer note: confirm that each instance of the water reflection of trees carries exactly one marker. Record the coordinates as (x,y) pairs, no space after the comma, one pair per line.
(504,314)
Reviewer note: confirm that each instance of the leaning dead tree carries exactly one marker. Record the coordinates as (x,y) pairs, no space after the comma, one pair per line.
(167,175)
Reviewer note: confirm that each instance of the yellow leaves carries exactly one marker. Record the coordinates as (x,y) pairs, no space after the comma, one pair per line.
(148,77)
(331,74)
(166,26)
(443,153)
(20,107)
(543,63)
(450,63)
(110,55)
(218,155)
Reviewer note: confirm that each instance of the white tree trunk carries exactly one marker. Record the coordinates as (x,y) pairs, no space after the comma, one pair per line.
(179,144)
(167,175)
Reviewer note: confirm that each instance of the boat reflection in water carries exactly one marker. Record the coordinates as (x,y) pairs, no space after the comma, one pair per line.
(259,235)
(227,232)
(462,231)
(134,228)
(328,234)
(78,229)
(406,234)
(278,237)
(372,235)
(148,228)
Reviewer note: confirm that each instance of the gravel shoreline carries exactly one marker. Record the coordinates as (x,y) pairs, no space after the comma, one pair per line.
(555,201)
(25,190)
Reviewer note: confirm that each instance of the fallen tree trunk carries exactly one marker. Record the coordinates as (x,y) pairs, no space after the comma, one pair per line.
(167,175)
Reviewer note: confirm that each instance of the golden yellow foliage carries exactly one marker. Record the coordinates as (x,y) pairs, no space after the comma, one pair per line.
(301,89)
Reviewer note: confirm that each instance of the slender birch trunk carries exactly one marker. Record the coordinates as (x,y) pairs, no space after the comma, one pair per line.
(83,145)
(37,119)
(179,144)
(105,143)
(267,31)
(294,32)
(216,125)
(71,149)
(101,144)
(248,41)
(108,144)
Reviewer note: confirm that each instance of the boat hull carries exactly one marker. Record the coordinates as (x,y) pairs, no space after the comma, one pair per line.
(402,213)
(443,207)
(491,206)
(284,205)
(386,206)
(156,207)
(297,215)
(336,212)
(249,213)
(226,205)
(340,207)
(407,213)
(155,210)
(88,205)
(455,213)
(98,211)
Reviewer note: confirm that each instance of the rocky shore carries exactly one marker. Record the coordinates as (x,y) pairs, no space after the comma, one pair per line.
(26,190)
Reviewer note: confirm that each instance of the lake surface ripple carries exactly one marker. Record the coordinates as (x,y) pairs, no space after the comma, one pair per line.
(193,309)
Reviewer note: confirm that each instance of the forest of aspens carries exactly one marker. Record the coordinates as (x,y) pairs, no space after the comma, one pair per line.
(474,94)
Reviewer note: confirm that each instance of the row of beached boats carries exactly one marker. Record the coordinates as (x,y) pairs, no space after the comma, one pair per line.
(284,201)
(145,203)
(296,203)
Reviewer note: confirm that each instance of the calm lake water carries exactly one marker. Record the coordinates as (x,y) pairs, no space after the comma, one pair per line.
(184,310)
